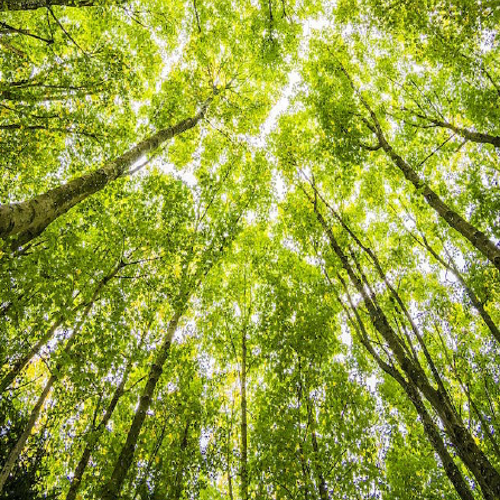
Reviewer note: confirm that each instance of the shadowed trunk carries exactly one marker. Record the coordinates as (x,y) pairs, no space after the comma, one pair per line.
(35,413)
(179,475)
(244,423)
(112,488)
(477,238)
(430,428)
(96,434)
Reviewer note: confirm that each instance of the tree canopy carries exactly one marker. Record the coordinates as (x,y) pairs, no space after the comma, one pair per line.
(249,250)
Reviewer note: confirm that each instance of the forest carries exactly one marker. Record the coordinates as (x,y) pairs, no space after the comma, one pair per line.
(249,249)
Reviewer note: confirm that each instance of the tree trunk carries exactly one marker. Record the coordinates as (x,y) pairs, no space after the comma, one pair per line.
(26,220)
(477,238)
(179,475)
(244,423)
(311,420)
(468,450)
(229,455)
(19,446)
(112,488)
(430,428)
(22,362)
(96,434)
(476,302)
(6,5)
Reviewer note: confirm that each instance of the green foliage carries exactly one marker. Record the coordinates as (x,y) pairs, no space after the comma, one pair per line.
(233,225)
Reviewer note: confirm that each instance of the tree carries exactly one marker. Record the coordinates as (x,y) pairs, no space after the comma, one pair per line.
(249,253)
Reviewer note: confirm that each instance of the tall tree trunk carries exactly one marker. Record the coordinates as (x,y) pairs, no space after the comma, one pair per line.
(24,360)
(26,220)
(179,474)
(96,434)
(430,428)
(113,486)
(39,4)
(476,302)
(19,446)
(244,423)
(311,421)
(229,453)
(141,487)
(477,238)
(468,450)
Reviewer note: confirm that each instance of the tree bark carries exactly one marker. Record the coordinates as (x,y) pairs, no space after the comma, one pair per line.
(323,489)
(430,428)
(113,486)
(477,238)
(470,135)
(6,5)
(244,423)
(22,362)
(179,475)
(228,472)
(476,461)
(96,434)
(23,221)
(476,302)
(19,446)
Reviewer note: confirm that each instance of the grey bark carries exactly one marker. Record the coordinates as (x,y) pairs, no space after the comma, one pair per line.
(96,434)
(476,302)
(244,423)
(21,442)
(430,428)
(23,221)
(477,238)
(470,135)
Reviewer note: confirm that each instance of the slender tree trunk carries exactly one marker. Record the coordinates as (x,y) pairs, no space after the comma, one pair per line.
(430,428)
(468,450)
(26,220)
(244,423)
(113,486)
(476,302)
(477,238)
(228,456)
(18,366)
(311,420)
(24,360)
(402,307)
(19,446)
(39,4)
(96,434)
(179,474)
